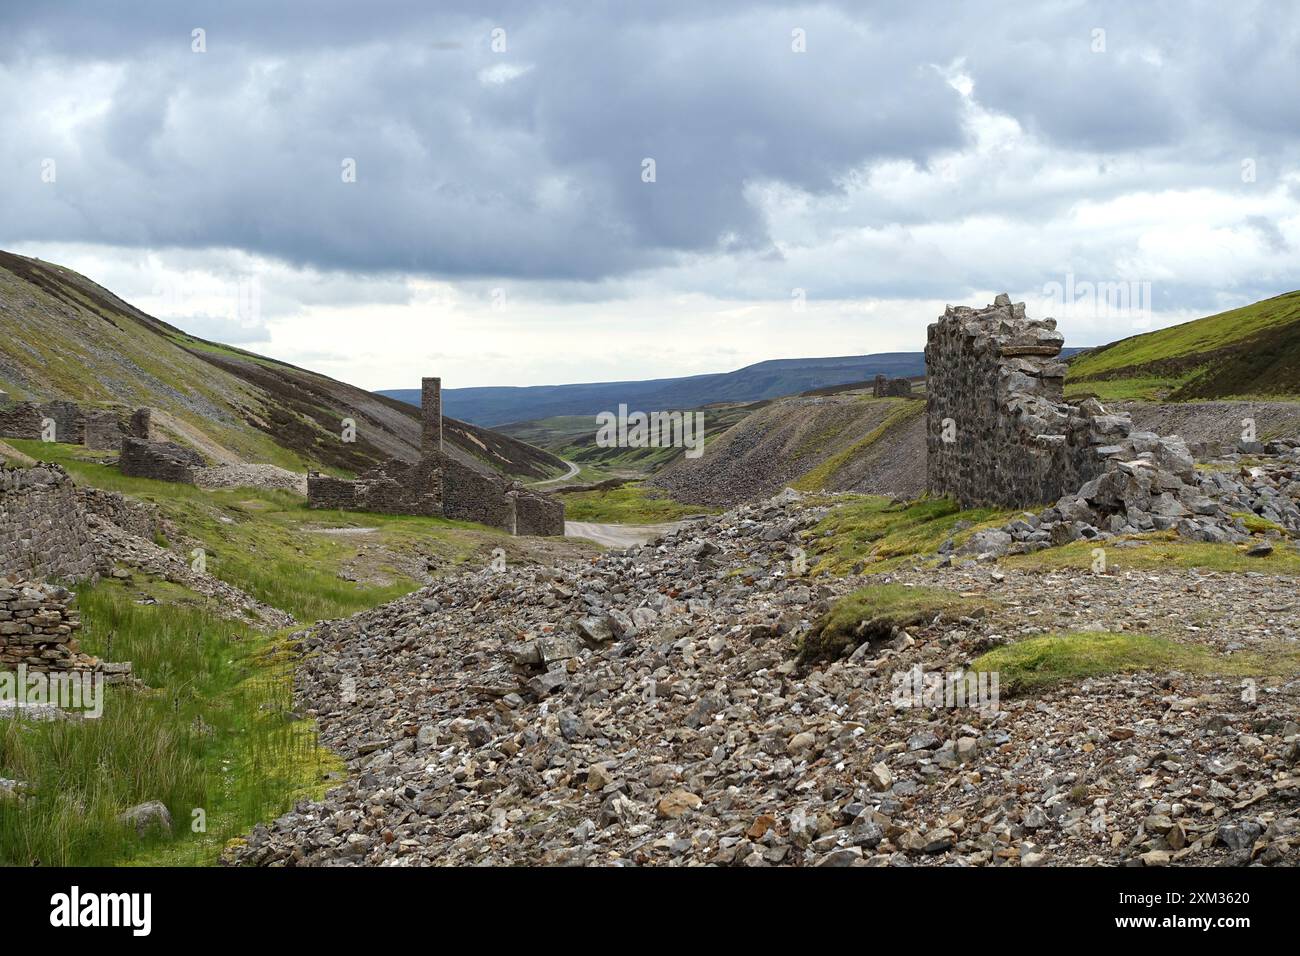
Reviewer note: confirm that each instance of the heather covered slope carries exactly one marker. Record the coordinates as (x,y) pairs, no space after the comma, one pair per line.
(1251,352)
(64,337)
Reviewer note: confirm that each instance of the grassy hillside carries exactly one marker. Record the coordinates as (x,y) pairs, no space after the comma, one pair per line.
(64,337)
(1253,351)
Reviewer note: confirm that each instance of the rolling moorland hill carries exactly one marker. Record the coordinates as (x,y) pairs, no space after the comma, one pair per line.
(1250,352)
(771,379)
(64,337)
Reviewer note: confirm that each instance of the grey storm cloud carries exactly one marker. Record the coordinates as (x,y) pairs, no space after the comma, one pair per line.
(527,164)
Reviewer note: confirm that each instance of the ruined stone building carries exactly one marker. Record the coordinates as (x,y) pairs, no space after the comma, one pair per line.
(439,485)
(101,428)
(998,430)
(884,387)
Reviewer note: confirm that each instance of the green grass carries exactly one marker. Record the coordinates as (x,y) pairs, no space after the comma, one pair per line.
(213,731)
(1162,550)
(1138,389)
(817,478)
(1039,662)
(871,612)
(871,530)
(629,504)
(1247,352)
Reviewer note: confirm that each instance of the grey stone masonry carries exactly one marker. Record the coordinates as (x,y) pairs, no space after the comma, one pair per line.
(395,487)
(884,387)
(998,432)
(103,430)
(431,411)
(162,461)
(38,628)
(43,530)
(140,423)
(95,427)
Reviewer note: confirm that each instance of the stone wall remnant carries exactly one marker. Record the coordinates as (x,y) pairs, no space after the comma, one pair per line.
(38,628)
(95,427)
(884,387)
(139,426)
(43,530)
(161,461)
(103,430)
(998,431)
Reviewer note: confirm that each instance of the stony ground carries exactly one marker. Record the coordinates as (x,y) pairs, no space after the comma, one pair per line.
(646,707)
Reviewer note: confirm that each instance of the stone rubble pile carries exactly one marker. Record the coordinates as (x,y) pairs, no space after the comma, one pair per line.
(1151,484)
(647,708)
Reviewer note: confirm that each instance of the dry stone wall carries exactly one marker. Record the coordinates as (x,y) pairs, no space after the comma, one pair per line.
(537,514)
(162,461)
(884,387)
(103,430)
(38,628)
(395,487)
(43,530)
(99,428)
(470,495)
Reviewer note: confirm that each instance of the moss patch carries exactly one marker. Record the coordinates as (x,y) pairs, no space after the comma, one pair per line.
(873,530)
(872,612)
(1040,662)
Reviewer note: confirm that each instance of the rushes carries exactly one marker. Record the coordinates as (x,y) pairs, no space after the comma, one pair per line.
(213,732)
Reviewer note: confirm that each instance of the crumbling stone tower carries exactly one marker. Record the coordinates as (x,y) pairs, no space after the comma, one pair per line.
(998,432)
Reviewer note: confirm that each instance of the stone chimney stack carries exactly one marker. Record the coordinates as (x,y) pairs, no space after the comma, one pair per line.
(431,401)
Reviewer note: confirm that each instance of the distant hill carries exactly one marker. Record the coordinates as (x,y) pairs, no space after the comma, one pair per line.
(64,337)
(495,405)
(1249,352)
(775,378)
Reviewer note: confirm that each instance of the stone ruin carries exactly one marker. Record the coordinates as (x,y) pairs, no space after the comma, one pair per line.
(884,387)
(101,428)
(47,523)
(1000,434)
(43,530)
(141,457)
(38,630)
(439,486)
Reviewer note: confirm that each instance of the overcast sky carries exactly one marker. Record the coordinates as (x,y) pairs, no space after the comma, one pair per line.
(825,178)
